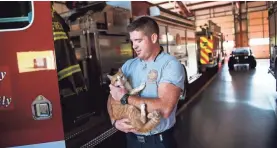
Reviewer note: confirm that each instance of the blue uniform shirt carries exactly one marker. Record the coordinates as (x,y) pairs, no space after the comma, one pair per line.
(165,68)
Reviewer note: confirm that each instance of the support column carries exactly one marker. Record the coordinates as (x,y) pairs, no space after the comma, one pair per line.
(240,24)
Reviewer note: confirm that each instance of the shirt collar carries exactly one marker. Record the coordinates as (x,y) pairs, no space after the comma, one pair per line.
(161,51)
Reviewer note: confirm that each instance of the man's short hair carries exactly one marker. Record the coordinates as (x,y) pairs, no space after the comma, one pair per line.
(145,24)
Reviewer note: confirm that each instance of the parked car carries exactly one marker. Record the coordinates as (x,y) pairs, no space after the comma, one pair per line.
(242,55)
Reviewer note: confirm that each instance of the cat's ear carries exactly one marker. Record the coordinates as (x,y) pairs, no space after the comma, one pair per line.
(110,77)
(119,69)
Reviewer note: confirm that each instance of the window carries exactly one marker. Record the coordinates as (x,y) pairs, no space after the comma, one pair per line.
(15,15)
(259,41)
(241,51)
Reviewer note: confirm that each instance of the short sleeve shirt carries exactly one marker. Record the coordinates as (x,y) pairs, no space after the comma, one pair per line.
(164,69)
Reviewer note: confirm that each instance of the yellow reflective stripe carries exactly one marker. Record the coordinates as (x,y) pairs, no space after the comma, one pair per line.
(59,33)
(68,71)
(59,36)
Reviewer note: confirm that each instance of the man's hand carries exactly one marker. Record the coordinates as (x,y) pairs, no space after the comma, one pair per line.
(124,125)
(117,92)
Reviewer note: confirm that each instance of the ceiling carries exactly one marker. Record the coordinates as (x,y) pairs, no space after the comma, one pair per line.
(187,8)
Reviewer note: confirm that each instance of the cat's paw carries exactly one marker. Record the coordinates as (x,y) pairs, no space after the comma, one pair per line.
(142,106)
(154,114)
(143,84)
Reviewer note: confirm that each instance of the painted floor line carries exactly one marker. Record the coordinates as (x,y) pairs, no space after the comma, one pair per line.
(195,95)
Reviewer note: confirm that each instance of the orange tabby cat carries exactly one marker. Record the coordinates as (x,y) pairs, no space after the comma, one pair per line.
(136,116)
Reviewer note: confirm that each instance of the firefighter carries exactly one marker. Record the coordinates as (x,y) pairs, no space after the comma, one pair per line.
(164,77)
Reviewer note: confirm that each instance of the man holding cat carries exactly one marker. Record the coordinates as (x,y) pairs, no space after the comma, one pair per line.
(164,77)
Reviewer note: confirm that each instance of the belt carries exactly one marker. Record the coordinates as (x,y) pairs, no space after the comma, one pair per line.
(160,136)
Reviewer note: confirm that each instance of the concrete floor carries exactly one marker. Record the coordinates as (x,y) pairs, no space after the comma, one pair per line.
(236,110)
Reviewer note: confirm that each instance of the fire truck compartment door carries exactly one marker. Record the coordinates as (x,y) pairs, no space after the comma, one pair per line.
(114,51)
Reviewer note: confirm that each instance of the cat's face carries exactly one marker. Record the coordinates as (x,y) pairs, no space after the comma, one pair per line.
(118,78)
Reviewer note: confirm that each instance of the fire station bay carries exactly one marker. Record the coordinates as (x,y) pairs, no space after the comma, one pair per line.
(118,74)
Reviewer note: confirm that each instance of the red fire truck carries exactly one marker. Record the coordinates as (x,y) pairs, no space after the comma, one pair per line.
(210,43)
(44,100)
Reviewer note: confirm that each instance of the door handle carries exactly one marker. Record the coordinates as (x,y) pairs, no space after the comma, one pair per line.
(41,108)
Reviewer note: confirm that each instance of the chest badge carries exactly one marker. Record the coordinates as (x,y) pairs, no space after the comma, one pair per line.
(152,75)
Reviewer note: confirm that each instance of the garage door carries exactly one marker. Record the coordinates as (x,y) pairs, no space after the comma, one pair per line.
(258,31)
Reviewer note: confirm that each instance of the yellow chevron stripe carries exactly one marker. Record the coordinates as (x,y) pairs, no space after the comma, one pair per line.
(204,55)
(202,46)
(202,61)
(204,39)
(207,50)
